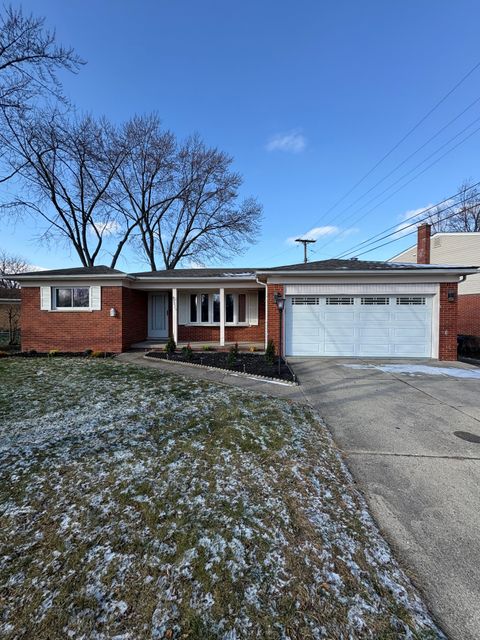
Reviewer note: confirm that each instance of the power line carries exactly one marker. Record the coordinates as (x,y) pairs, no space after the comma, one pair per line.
(414,177)
(413,217)
(410,233)
(414,153)
(402,140)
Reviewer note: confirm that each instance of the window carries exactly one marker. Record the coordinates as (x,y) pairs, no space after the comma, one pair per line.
(375,300)
(305,300)
(411,300)
(339,300)
(193,307)
(72,297)
(242,307)
(229,307)
(204,306)
(216,307)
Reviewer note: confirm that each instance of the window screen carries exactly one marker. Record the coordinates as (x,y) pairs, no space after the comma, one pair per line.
(339,300)
(411,300)
(375,300)
(305,300)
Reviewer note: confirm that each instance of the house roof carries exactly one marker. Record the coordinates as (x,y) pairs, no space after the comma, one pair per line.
(222,272)
(74,271)
(356,265)
(225,273)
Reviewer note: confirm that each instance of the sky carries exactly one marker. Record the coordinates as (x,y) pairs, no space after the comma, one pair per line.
(306,96)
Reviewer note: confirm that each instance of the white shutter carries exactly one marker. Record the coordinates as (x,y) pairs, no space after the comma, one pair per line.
(96,298)
(252,307)
(183,308)
(45,298)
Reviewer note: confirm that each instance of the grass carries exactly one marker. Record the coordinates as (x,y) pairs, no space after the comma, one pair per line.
(136,504)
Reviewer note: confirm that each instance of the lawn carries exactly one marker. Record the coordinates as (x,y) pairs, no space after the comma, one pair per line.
(136,504)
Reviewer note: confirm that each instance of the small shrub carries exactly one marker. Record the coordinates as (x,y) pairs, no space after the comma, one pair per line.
(232,356)
(234,349)
(53,352)
(170,347)
(33,352)
(88,352)
(97,354)
(187,352)
(207,347)
(252,349)
(270,352)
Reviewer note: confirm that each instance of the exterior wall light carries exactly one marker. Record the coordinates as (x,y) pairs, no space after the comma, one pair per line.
(113,312)
(280,302)
(451,296)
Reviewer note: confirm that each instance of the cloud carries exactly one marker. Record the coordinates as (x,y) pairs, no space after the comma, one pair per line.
(314,234)
(290,141)
(107,228)
(408,218)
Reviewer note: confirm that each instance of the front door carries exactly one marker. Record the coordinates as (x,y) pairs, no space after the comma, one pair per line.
(158,315)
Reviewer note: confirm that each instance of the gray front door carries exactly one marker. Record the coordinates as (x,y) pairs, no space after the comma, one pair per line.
(158,315)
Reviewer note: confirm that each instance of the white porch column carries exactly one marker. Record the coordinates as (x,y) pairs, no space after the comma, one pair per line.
(222,317)
(175,314)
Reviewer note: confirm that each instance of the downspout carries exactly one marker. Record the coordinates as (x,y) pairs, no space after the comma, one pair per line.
(266,308)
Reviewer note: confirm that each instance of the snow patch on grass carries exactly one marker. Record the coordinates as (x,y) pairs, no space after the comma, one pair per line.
(160,507)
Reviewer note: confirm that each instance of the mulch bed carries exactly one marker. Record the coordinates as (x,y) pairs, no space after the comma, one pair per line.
(245,363)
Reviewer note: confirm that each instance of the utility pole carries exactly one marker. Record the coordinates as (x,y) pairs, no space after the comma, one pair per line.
(305,242)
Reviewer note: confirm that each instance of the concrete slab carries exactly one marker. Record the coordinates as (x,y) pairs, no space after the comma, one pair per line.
(397,434)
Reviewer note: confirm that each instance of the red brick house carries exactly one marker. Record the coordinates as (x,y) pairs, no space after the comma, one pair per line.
(332,308)
(452,248)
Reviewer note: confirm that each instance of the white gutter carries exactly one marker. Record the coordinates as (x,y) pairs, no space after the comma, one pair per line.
(266,308)
(44,275)
(370,272)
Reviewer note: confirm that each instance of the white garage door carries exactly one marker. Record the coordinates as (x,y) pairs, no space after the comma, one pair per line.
(375,326)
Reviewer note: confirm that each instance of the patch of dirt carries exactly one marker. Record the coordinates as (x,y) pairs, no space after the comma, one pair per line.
(253,363)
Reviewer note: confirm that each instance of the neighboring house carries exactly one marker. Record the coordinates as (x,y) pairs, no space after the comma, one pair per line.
(9,312)
(451,248)
(332,308)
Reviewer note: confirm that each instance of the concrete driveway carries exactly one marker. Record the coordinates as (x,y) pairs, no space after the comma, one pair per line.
(397,431)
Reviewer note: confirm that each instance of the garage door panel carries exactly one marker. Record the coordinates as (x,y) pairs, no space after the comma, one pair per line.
(374,332)
(410,332)
(373,350)
(339,349)
(376,328)
(339,333)
(374,316)
(339,316)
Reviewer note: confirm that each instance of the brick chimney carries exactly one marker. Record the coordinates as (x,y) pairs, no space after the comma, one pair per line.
(423,243)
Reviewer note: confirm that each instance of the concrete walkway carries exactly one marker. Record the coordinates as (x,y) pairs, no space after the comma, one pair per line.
(276,389)
(397,431)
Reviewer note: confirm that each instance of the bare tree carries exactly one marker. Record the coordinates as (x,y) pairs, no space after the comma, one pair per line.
(144,185)
(30,59)
(461,214)
(66,166)
(10,264)
(186,200)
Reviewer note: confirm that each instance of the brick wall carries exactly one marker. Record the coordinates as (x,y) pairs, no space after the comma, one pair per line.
(135,316)
(80,330)
(423,243)
(71,330)
(274,314)
(198,333)
(469,314)
(448,322)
